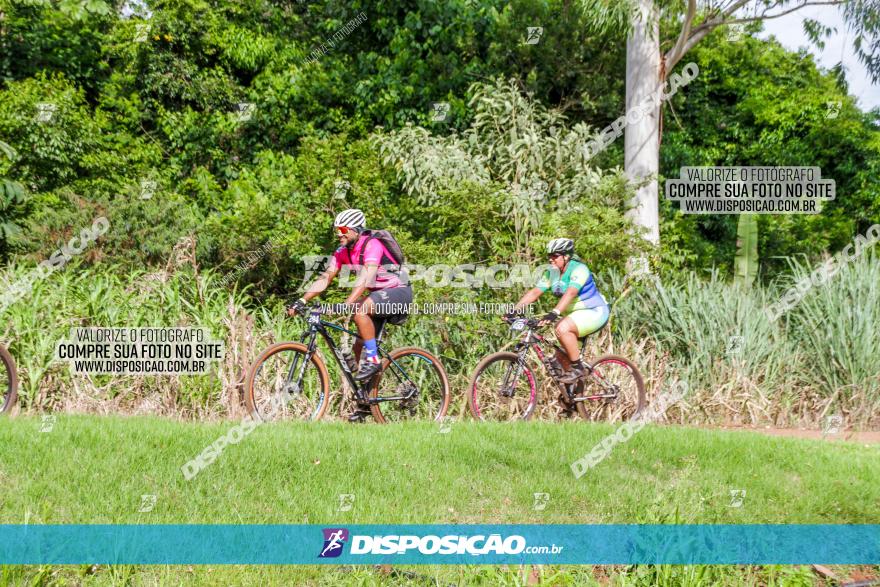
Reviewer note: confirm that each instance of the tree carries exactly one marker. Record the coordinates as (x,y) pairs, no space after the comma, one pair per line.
(524,152)
(757,103)
(12,201)
(647,68)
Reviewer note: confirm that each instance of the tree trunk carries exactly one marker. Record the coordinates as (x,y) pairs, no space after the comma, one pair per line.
(642,139)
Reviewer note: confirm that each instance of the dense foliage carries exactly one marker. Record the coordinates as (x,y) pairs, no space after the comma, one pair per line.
(756,104)
(215,119)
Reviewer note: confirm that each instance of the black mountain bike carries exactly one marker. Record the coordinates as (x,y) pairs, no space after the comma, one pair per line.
(503,385)
(289,380)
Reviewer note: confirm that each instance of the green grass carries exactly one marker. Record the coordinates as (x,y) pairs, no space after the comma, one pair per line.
(95,470)
(440,576)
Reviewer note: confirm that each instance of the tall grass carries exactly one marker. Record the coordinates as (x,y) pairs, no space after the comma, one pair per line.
(105,296)
(821,358)
(738,365)
(837,326)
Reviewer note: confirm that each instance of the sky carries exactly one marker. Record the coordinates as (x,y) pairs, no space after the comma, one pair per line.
(789,31)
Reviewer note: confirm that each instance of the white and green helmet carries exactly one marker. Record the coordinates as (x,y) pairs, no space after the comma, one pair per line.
(351,218)
(564,246)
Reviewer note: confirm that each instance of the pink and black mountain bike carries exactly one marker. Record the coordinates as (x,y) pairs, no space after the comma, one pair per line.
(503,385)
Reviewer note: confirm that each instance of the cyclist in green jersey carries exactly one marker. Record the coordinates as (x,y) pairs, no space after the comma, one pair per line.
(586,310)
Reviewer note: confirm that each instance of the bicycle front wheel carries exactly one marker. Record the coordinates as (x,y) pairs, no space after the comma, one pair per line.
(287,383)
(614,391)
(411,384)
(502,389)
(8,381)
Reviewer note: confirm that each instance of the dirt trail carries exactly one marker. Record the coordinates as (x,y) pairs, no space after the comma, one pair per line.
(863,436)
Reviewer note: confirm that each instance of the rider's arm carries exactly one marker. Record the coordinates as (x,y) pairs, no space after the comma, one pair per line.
(579,277)
(566,299)
(371,258)
(528,298)
(319,285)
(367,276)
(533,294)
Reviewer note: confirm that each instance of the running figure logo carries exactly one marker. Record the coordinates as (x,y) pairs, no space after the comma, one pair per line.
(334,540)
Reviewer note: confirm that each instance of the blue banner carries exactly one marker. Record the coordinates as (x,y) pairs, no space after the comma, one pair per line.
(440,544)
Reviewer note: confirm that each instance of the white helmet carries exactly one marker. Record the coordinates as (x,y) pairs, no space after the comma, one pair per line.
(564,246)
(352,218)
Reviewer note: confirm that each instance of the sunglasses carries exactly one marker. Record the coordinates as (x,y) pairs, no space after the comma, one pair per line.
(342,230)
(553,256)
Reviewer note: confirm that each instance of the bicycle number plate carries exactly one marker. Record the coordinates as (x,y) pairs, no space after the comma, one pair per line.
(518,324)
(314,318)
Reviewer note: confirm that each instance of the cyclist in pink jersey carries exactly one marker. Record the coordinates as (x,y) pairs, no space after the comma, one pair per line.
(365,252)
(379,292)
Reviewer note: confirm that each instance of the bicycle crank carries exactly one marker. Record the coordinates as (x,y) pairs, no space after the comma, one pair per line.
(410,394)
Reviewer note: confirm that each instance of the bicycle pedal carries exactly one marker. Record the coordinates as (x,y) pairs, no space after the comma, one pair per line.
(359,416)
(569,410)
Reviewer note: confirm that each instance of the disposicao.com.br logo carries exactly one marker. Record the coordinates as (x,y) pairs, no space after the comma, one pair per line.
(479,544)
(334,540)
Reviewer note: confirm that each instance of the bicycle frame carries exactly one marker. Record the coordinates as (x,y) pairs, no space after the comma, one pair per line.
(309,337)
(534,341)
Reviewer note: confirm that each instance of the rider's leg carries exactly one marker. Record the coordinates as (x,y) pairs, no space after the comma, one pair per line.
(379,306)
(590,320)
(356,348)
(367,331)
(584,322)
(363,321)
(578,324)
(358,321)
(566,332)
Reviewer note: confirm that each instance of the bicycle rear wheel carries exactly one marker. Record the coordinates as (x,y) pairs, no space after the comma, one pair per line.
(612,376)
(415,376)
(8,381)
(501,389)
(285,383)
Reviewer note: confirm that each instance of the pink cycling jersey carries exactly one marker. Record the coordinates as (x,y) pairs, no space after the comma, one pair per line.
(375,254)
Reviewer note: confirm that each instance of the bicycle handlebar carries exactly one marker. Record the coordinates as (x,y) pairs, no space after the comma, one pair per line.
(531,323)
(318,308)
